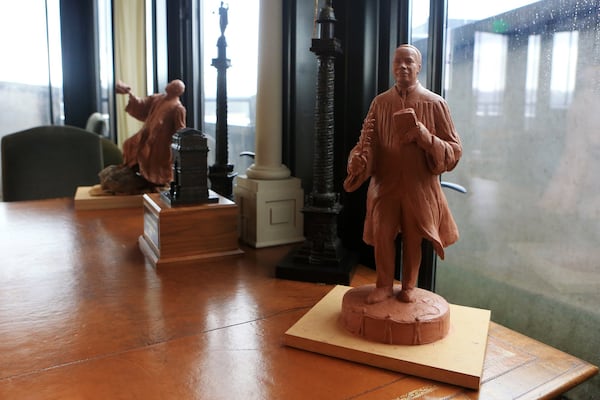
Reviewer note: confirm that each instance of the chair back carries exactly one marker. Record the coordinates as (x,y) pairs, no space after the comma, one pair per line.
(111,153)
(49,162)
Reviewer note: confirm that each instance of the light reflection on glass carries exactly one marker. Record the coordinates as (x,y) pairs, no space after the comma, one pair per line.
(564,68)
(533,74)
(489,72)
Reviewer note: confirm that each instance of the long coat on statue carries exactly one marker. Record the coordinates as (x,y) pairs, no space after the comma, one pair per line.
(150,148)
(406,174)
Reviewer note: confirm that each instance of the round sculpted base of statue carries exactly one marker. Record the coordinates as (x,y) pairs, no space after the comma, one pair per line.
(424,320)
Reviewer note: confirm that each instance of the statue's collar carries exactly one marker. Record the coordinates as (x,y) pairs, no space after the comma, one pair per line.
(406,91)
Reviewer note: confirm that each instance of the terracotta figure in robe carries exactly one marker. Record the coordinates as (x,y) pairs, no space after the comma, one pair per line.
(149,150)
(408,139)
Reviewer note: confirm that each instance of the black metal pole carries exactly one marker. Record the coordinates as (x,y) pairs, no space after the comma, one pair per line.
(221,64)
(435,46)
(404,22)
(221,173)
(435,50)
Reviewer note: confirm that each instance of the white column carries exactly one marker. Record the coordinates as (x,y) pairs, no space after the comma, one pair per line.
(270,201)
(267,161)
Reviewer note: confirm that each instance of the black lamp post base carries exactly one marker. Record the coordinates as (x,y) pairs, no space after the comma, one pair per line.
(321,258)
(297,268)
(221,179)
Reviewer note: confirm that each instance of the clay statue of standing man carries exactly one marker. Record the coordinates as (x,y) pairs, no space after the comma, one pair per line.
(408,139)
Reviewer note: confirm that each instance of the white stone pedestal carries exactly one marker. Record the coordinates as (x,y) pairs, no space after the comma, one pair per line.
(270,211)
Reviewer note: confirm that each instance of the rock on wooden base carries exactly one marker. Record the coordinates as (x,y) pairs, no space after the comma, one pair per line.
(426,320)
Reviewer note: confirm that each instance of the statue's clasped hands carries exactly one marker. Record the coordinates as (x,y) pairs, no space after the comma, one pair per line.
(420,135)
(416,133)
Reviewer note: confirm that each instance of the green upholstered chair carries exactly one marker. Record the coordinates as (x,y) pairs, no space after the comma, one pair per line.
(49,162)
(111,153)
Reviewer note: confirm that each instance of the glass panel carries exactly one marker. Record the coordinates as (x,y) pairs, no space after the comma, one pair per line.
(242,49)
(523,88)
(31,70)
(55,61)
(105,62)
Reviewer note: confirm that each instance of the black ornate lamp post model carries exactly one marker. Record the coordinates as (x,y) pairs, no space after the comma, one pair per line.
(322,258)
(221,173)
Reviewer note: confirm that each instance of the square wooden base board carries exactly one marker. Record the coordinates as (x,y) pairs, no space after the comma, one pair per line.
(456,359)
(85,201)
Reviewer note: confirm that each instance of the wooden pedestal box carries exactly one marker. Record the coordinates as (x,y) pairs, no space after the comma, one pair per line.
(188,233)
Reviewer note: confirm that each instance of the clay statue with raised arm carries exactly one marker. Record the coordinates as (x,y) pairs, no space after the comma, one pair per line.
(147,159)
(407,140)
(150,148)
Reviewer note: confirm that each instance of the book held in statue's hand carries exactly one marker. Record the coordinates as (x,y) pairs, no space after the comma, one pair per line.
(404,120)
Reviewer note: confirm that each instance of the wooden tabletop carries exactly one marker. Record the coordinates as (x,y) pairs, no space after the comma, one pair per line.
(84,316)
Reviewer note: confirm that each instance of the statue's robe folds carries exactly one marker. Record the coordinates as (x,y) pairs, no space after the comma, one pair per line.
(406,174)
(150,148)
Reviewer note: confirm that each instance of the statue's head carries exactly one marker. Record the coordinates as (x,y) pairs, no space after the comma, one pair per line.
(175,88)
(406,65)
